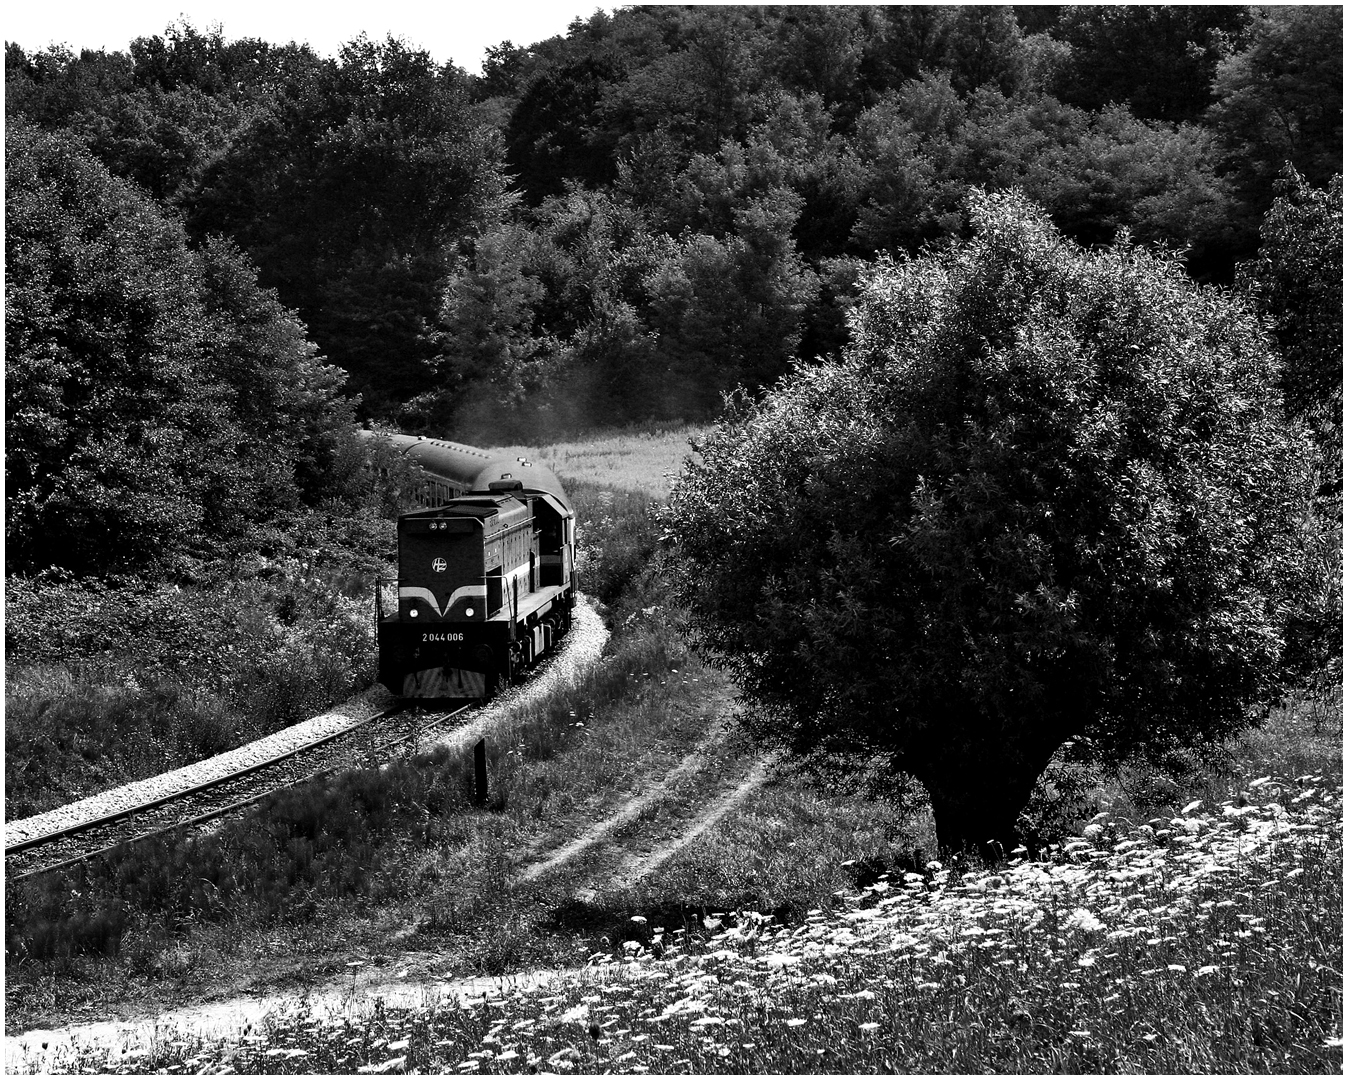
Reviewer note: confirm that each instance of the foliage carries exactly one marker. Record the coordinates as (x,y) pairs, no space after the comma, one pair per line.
(1048,495)
(1204,943)
(111,429)
(337,838)
(1275,105)
(1297,281)
(1160,59)
(591,316)
(617,539)
(921,148)
(428,226)
(137,678)
(349,189)
(158,113)
(156,398)
(1240,890)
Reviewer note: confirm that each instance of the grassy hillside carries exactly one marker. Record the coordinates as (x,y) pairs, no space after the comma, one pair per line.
(139,676)
(760,920)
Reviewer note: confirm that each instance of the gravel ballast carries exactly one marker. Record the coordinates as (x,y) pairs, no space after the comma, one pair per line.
(168,784)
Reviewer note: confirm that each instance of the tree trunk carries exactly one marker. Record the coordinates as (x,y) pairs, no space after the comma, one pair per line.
(976,803)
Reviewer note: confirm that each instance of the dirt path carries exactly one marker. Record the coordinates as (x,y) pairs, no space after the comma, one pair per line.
(628,840)
(669,828)
(638,865)
(628,813)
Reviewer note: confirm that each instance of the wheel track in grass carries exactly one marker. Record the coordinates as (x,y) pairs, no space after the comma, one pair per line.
(661,827)
(639,864)
(334,997)
(627,813)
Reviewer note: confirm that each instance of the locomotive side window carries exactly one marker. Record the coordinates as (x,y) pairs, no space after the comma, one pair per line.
(494,591)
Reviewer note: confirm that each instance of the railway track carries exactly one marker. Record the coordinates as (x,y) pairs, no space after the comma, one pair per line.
(376,740)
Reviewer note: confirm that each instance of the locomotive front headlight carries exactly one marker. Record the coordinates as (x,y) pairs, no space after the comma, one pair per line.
(468,611)
(413,613)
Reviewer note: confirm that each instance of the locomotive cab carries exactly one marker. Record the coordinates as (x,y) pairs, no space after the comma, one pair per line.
(453,559)
(486,573)
(485,587)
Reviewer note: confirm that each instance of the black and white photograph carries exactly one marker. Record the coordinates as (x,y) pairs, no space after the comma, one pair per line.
(673,539)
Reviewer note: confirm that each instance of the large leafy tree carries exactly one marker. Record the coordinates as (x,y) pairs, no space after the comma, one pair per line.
(1048,495)
(1280,99)
(351,189)
(160,112)
(1297,281)
(922,146)
(1160,59)
(155,397)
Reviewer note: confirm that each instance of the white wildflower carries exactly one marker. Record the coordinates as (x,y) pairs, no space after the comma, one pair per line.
(1082,919)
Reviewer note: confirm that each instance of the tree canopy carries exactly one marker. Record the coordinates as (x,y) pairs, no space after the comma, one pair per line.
(1047,495)
(1298,280)
(764,150)
(350,193)
(155,396)
(1279,99)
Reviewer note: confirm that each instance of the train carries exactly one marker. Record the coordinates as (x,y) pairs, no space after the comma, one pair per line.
(486,581)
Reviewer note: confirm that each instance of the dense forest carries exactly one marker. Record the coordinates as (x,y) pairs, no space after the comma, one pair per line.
(221,252)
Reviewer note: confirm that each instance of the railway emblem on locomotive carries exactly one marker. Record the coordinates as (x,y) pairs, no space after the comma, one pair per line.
(439,565)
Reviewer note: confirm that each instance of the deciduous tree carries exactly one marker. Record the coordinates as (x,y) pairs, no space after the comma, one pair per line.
(351,190)
(1297,280)
(1280,99)
(156,398)
(1048,495)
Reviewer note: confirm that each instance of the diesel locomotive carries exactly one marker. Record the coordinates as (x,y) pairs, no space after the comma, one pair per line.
(486,573)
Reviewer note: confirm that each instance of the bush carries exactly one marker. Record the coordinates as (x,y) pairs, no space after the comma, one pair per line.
(618,538)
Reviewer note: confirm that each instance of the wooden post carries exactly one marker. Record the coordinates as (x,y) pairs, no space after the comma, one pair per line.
(480,773)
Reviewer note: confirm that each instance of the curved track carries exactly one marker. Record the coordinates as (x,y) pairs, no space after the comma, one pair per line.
(364,743)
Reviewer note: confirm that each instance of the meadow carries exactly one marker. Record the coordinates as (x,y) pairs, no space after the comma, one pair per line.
(644,459)
(139,675)
(1184,923)
(1206,939)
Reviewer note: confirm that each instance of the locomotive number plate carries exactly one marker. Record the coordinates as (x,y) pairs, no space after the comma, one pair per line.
(429,636)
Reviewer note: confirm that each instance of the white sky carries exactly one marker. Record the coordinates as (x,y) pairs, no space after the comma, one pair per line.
(450,30)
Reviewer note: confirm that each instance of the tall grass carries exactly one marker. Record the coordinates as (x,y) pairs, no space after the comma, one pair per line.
(376,835)
(353,837)
(110,684)
(1207,942)
(1173,923)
